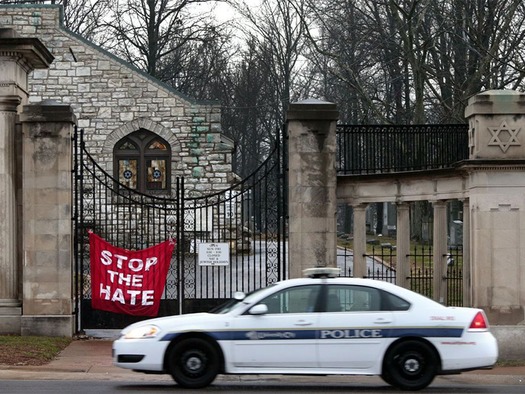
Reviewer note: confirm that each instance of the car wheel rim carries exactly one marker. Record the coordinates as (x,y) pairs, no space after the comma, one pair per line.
(194,363)
(411,365)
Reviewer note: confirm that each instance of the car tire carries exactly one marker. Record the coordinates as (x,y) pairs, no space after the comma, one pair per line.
(193,363)
(387,378)
(410,365)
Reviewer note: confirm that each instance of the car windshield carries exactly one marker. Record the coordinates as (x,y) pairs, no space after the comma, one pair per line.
(233,303)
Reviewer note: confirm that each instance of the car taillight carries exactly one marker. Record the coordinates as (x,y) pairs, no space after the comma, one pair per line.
(479,322)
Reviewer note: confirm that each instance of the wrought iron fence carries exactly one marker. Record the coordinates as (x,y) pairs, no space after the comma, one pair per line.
(421,272)
(378,149)
(455,276)
(381,265)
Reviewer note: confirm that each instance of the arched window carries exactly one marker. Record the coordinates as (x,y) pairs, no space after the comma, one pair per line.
(142,161)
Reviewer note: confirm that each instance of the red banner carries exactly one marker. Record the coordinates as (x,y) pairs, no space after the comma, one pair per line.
(125,281)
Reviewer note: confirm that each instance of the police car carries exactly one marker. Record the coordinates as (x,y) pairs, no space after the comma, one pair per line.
(320,324)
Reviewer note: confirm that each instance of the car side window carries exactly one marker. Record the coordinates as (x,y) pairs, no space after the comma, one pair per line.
(300,299)
(395,303)
(341,298)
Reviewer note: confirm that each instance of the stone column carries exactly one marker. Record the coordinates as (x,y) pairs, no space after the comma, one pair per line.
(47,226)
(10,310)
(439,249)
(467,281)
(18,57)
(403,244)
(360,270)
(312,185)
(496,187)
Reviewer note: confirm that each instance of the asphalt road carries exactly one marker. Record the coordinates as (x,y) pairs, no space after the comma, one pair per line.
(374,386)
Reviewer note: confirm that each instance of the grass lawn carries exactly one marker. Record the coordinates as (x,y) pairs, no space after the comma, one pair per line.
(17,350)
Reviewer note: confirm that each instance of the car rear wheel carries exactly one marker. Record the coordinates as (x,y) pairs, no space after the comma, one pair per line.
(410,365)
(193,363)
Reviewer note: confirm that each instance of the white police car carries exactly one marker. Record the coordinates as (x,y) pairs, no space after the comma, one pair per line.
(316,325)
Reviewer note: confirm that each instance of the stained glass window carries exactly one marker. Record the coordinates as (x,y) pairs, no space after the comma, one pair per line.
(143,162)
(156,177)
(127,173)
(127,145)
(157,145)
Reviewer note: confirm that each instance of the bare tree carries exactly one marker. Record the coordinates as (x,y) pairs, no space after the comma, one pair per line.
(344,50)
(195,68)
(277,28)
(427,57)
(147,31)
(86,17)
(479,46)
(247,107)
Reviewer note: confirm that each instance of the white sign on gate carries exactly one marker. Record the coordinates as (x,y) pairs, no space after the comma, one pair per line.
(211,254)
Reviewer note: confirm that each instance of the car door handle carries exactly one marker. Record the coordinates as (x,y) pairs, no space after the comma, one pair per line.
(303,323)
(383,321)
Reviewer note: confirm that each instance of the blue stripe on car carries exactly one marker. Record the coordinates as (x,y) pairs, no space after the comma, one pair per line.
(329,333)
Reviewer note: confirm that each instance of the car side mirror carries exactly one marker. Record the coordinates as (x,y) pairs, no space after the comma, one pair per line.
(259,309)
(239,296)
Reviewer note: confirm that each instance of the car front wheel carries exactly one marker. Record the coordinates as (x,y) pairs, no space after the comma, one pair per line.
(410,365)
(193,363)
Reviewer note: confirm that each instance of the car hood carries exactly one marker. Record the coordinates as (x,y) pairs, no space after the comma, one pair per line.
(194,321)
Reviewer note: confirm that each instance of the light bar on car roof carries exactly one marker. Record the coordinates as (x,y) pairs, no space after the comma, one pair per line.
(322,272)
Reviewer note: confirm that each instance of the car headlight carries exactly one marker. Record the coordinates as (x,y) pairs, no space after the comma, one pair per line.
(148,331)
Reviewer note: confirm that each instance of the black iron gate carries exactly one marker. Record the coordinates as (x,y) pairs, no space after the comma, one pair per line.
(250,217)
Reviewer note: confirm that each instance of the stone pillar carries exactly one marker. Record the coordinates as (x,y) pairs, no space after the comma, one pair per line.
(496,187)
(467,280)
(18,57)
(403,244)
(10,309)
(360,269)
(439,249)
(312,185)
(47,226)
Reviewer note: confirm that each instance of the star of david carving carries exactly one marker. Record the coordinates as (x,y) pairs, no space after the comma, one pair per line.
(504,145)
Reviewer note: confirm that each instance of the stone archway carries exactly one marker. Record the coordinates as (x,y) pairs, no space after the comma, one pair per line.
(136,124)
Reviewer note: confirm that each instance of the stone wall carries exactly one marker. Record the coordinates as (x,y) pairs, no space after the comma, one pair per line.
(112,99)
